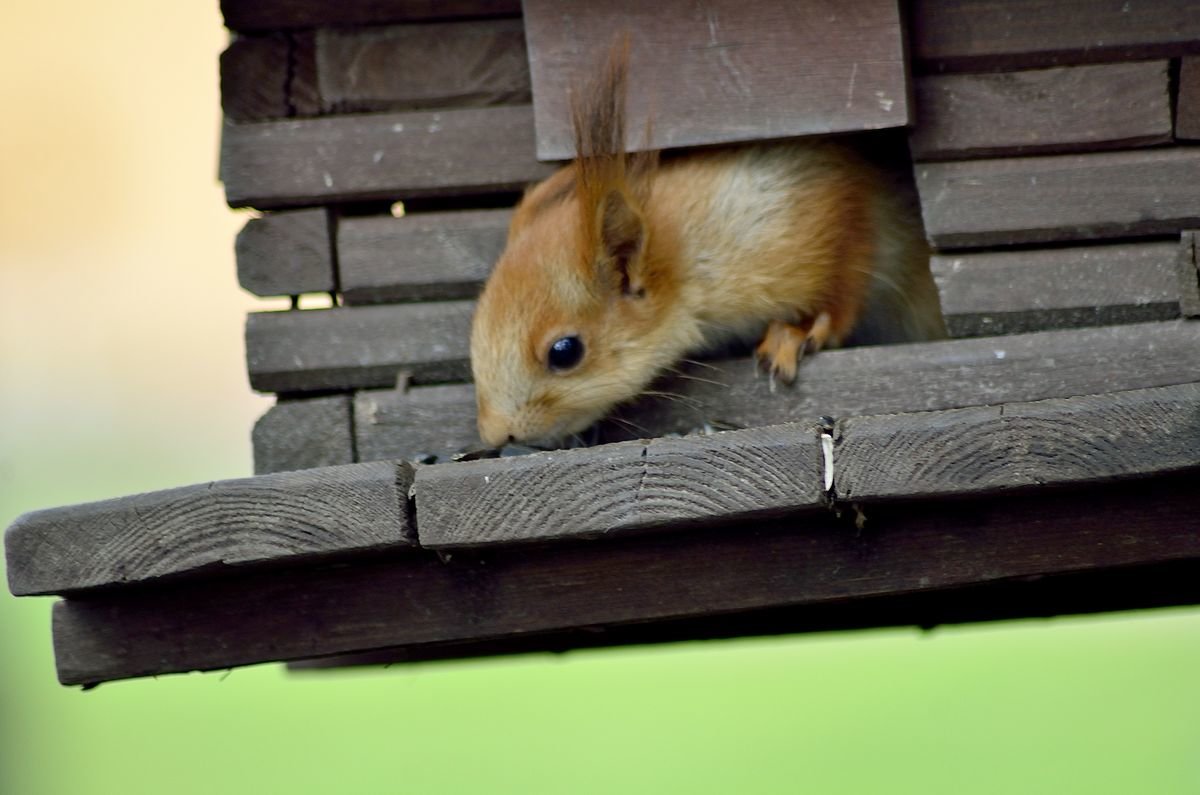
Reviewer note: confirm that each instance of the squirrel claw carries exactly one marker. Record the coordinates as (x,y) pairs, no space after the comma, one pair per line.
(784,344)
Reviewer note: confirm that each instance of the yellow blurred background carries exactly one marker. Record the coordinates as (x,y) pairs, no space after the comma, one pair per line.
(121,371)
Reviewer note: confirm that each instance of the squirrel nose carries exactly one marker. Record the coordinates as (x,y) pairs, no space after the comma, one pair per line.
(494,431)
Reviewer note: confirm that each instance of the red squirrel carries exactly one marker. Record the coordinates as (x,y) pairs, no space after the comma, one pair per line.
(619,265)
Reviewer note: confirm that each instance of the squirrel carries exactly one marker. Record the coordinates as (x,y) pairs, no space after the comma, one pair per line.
(619,265)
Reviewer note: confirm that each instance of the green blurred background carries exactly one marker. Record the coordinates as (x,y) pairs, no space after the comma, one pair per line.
(121,371)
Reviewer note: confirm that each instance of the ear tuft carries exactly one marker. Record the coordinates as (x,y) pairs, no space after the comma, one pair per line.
(622,234)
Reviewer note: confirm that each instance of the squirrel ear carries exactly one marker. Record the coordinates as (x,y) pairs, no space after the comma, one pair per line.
(622,234)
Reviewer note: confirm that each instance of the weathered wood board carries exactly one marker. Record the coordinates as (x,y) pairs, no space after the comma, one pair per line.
(251,15)
(198,529)
(272,76)
(367,346)
(985,449)
(748,475)
(724,71)
(379,156)
(420,257)
(1077,108)
(924,376)
(1006,292)
(414,423)
(286,253)
(436,65)
(981,35)
(894,378)
(419,600)
(1060,197)
(303,434)
(1189,274)
(1187,105)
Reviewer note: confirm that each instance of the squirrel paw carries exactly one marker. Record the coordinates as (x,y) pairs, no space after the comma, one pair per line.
(785,343)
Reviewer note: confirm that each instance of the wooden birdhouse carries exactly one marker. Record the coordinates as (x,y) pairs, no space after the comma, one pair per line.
(1039,461)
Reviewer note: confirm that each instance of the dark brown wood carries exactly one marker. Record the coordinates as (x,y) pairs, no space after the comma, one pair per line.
(922,376)
(1006,292)
(727,71)
(839,383)
(1092,591)
(196,529)
(754,474)
(412,424)
(420,257)
(1077,108)
(1189,274)
(416,600)
(287,14)
(1187,104)
(379,156)
(303,434)
(270,77)
(1060,197)
(409,67)
(986,449)
(286,253)
(342,348)
(980,35)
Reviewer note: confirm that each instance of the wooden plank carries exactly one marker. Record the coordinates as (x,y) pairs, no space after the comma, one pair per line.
(420,257)
(341,348)
(413,424)
(1189,274)
(196,529)
(741,70)
(252,15)
(303,434)
(1187,103)
(286,253)
(1006,292)
(1078,108)
(379,156)
(921,376)
(981,35)
(409,67)
(838,383)
(934,548)
(986,449)
(748,475)
(270,77)
(1060,197)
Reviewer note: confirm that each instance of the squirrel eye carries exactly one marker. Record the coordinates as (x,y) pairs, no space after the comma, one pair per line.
(565,353)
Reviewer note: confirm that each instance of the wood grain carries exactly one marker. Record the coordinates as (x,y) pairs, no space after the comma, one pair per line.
(196,529)
(723,71)
(981,35)
(411,424)
(621,488)
(379,156)
(303,434)
(342,348)
(513,592)
(420,257)
(998,448)
(1060,197)
(1187,103)
(1078,108)
(1189,274)
(289,14)
(408,67)
(923,376)
(286,253)
(1006,292)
